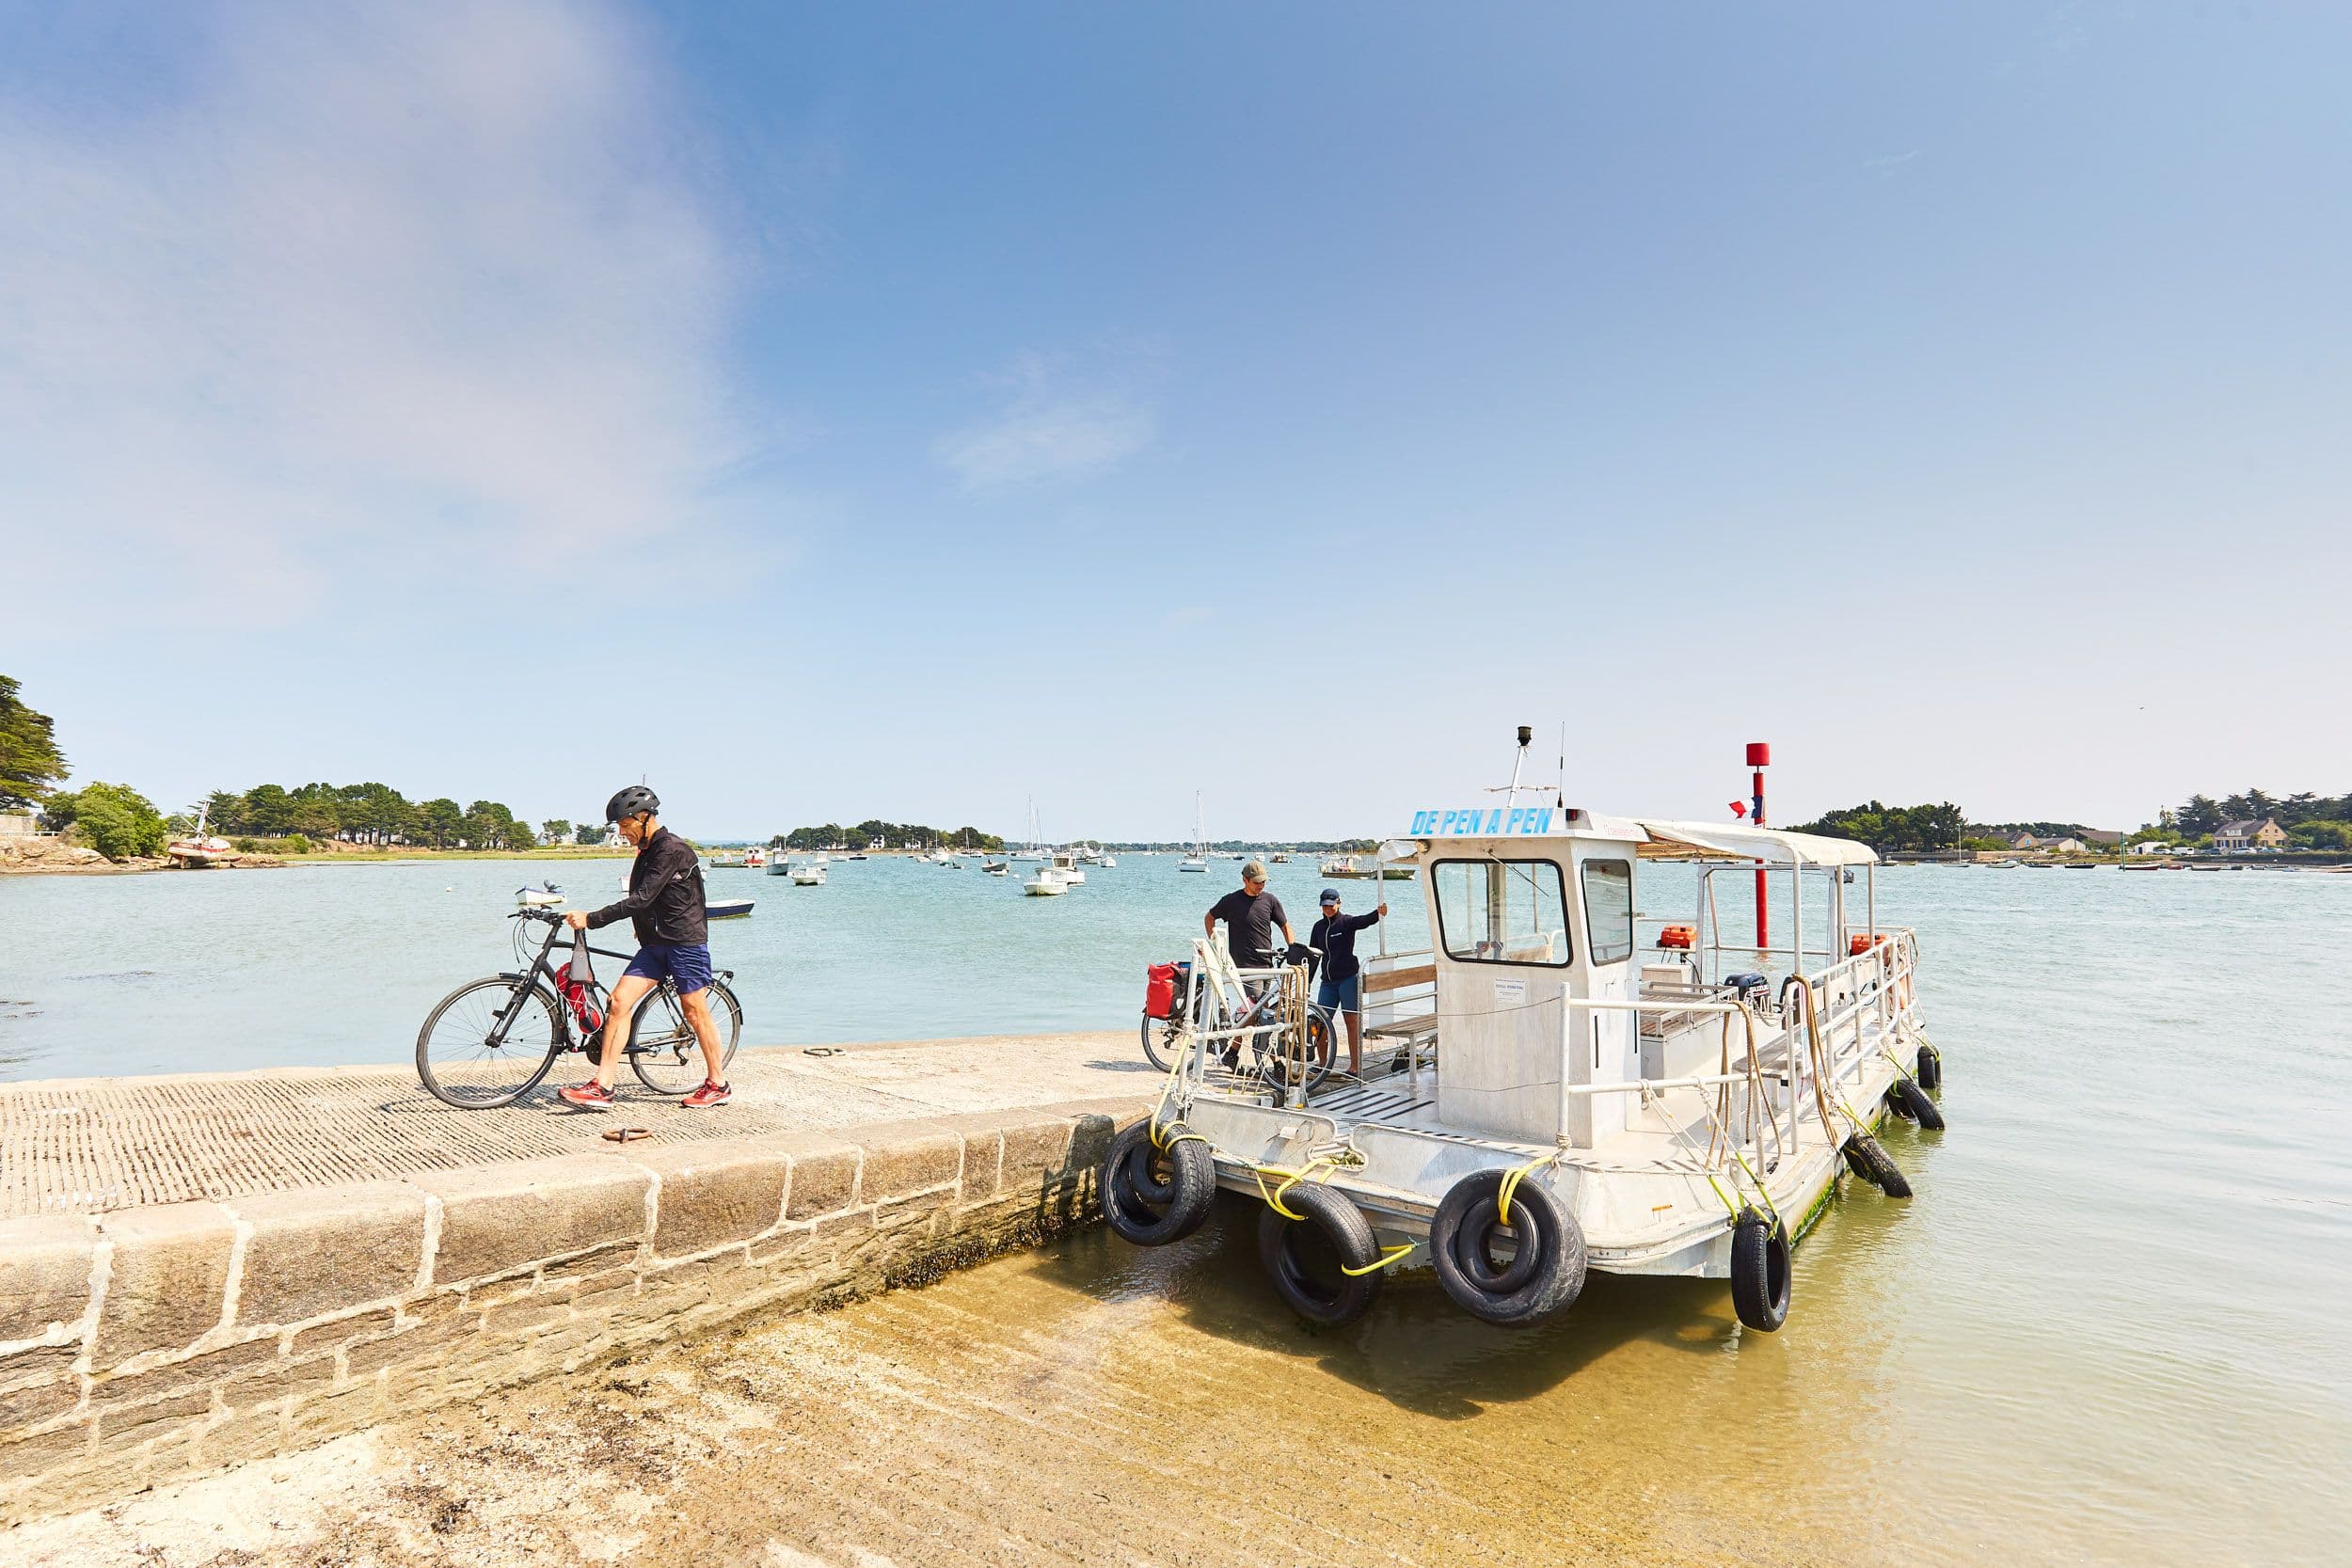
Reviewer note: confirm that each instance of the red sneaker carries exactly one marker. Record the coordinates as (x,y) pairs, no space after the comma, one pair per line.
(709,1096)
(590,1096)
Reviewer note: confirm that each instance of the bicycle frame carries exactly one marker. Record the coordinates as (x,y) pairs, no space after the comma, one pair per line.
(540,965)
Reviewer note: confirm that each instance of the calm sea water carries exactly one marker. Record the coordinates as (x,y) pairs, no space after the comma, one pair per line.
(2108,1330)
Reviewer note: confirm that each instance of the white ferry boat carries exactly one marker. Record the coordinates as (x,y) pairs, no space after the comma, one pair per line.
(1573,1085)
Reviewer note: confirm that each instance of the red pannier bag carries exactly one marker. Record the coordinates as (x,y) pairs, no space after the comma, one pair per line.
(1159,991)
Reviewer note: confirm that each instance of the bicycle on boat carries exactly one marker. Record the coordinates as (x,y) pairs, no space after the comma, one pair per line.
(1166,1039)
(491,1041)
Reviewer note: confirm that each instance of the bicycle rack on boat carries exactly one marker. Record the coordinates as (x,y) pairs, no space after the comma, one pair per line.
(1562,1097)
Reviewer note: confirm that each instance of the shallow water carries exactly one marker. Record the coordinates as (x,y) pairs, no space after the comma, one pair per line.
(2107,1331)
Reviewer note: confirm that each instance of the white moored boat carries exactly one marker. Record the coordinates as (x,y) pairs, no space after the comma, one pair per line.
(545,896)
(1073,875)
(808,874)
(1572,1090)
(1045,882)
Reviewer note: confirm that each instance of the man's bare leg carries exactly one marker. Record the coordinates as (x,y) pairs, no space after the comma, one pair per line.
(698,1004)
(627,993)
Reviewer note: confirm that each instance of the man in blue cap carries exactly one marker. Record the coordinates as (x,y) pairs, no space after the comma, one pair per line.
(1342,982)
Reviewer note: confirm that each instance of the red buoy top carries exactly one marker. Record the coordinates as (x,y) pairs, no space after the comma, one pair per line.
(1759,754)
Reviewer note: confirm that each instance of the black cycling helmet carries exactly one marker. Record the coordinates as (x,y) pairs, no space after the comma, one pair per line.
(629,802)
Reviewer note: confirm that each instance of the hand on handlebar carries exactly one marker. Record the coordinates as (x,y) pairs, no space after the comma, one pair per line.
(575,919)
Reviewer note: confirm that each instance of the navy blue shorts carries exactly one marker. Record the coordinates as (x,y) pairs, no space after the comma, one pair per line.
(688,966)
(1344,996)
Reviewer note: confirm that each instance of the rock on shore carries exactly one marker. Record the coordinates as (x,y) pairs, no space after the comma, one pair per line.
(48,853)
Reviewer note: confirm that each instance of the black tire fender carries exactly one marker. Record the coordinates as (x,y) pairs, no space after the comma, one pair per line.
(1911,1103)
(1760,1271)
(1153,1196)
(1866,1158)
(1929,1067)
(1334,1216)
(1544,1272)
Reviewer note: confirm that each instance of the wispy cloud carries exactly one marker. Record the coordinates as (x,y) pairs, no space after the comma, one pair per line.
(1896,161)
(1056,421)
(390,286)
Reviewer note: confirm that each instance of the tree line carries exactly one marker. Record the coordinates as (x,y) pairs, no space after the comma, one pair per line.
(894,835)
(2311,822)
(376,814)
(1908,829)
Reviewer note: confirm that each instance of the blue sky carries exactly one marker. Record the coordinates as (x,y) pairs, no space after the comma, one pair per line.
(841,411)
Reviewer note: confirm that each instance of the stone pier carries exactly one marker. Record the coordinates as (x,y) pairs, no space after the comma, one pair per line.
(198,1272)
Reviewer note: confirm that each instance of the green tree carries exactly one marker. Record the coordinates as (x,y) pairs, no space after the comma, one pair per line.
(2200,817)
(555,829)
(113,820)
(1909,829)
(30,763)
(268,810)
(588,833)
(439,821)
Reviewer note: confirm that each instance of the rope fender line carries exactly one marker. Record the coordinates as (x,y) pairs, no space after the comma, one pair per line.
(1511,1184)
(1388,1254)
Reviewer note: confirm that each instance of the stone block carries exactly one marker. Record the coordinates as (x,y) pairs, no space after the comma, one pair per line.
(137,1423)
(246,1434)
(824,1174)
(715,1192)
(167,1281)
(1036,1146)
(44,1272)
(904,1157)
(344,1330)
(30,1403)
(498,1218)
(325,1249)
(32,1454)
(323,1416)
(195,1373)
(589,1265)
(36,1364)
(983,1136)
(789,1242)
(266,1383)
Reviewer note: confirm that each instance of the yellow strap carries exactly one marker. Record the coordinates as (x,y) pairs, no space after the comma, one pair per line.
(1290,1179)
(1389,1255)
(1511,1184)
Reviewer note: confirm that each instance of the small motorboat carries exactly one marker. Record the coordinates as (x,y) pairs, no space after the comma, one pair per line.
(732,861)
(780,866)
(994,868)
(809,874)
(1067,864)
(725,909)
(545,896)
(755,859)
(1046,883)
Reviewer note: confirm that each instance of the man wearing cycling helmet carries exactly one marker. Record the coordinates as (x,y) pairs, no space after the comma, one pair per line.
(665,905)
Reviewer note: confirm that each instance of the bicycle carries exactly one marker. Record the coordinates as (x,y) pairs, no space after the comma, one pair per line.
(1165,1039)
(491,1041)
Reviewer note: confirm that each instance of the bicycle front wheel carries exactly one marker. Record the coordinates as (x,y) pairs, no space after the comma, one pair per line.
(663,1050)
(466,1059)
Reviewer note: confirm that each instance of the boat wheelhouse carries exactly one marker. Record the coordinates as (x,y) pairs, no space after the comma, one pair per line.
(1568,1082)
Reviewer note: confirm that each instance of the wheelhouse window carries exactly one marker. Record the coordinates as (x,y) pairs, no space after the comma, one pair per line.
(1502,911)
(1609,910)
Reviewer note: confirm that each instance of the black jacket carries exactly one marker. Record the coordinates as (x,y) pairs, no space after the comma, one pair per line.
(665,895)
(1336,941)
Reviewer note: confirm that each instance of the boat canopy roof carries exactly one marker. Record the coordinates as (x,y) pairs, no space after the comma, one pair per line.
(1735,841)
(1657,838)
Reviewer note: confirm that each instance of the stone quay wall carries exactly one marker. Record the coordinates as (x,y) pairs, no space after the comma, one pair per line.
(154,1344)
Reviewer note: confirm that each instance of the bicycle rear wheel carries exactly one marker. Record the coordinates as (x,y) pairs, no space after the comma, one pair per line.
(1280,1068)
(663,1050)
(459,1061)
